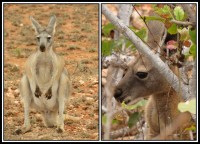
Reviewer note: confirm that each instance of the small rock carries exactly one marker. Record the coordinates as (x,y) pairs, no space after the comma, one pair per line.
(95,135)
(16,92)
(89,99)
(81,82)
(68,117)
(16,102)
(91,91)
(95,82)
(10,95)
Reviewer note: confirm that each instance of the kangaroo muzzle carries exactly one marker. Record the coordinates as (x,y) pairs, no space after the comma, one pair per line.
(118,94)
(42,48)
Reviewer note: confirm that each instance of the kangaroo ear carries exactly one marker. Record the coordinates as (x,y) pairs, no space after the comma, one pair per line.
(52,25)
(36,25)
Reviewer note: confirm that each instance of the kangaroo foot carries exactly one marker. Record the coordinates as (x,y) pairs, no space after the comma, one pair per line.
(22,130)
(59,130)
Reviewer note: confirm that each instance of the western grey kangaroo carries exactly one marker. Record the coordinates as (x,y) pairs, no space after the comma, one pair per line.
(142,79)
(45,84)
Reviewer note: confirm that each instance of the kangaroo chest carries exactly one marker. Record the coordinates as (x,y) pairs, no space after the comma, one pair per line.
(44,70)
(45,92)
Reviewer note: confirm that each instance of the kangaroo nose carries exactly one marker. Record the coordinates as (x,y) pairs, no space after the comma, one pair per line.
(118,93)
(42,48)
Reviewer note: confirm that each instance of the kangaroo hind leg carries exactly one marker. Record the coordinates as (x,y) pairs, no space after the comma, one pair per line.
(26,94)
(63,93)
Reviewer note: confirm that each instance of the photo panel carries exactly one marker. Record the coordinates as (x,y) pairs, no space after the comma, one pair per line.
(51,72)
(149,71)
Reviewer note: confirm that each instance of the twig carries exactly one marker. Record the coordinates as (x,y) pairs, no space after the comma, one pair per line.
(123,132)
(184,23)
(190,12)
(108,113)
(152,35)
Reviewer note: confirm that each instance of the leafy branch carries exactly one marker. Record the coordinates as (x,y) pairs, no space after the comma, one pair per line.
(144,49)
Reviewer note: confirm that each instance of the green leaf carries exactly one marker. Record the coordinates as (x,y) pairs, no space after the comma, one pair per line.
(193,35)
(131,107)
(184,34)
(130,44)
(107,28)
(179,13)
(188,106)
(164,11)
(133,119)
(193,50)
(104,120)
(141,33)
(149,18)
(107,47)
(172,29)
(192,128)
(115,121)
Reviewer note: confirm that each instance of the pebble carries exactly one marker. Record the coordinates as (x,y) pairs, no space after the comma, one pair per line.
(81,82)
(91,91)
(89,99)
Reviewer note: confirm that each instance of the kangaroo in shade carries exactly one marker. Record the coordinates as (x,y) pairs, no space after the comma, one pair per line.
(45,84)
(141,80)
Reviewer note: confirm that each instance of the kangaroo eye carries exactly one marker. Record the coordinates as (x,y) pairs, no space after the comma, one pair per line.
(48,39)
(141,75)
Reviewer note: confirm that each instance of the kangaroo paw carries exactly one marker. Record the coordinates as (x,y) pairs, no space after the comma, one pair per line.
(48,94)
(38,93)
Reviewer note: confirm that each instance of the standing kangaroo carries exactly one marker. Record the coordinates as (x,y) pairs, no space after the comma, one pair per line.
(142,79)
(45,84)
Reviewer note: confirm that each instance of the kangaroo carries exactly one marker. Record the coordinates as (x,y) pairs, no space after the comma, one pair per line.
(142,79)
(45,84)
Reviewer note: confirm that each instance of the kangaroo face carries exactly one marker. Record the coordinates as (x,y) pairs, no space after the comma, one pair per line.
(141,80)
(44,36)
(44,41)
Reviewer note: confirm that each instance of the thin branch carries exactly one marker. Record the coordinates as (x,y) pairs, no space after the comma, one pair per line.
(192,85)
(109,95)
(151,35)
(184,23)
(190,12)
(192,81)
(124,131)
(143,48)
(116,73)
